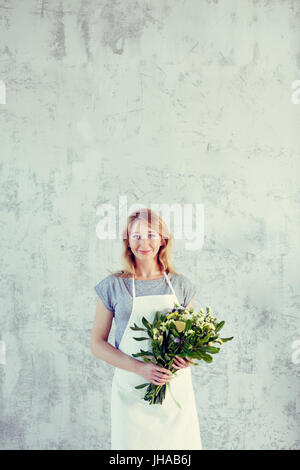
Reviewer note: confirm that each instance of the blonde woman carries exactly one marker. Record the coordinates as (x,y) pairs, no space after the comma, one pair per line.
(147,283)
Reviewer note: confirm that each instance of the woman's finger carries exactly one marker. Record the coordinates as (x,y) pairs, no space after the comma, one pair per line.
(161,378)
(190,359)
(155,382)
(164,372)
(180,360)
(175,365)
(178,364)
(185,362)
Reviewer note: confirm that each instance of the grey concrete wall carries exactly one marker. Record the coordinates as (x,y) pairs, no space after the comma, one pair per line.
(156,101)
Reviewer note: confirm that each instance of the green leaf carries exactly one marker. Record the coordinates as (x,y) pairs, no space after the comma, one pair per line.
(174,330)
(206,357)
(140,339)
(205,339)
(188,325)
(136,328)
(227,339)
(157,320)
(143,353)
(142,385)
(146,323)
(212,338)
(198,355)
(219,326)
(211,349)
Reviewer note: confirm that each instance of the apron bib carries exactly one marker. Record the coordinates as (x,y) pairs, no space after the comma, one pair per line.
(135,424)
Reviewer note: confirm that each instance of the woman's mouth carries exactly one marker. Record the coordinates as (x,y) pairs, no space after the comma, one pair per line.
(144,252)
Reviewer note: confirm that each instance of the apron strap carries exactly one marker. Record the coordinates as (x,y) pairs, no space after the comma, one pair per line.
(169,282)
(133,287)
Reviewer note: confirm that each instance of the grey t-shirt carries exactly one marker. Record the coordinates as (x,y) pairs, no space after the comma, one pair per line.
(116,295)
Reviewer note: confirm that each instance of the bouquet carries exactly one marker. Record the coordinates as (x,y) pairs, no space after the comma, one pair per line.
(179,332)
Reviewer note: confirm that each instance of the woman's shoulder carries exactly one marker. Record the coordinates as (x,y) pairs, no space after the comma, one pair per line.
(114,281)
(109,289)
(110,279)
(184,282)
(119,274)
(186,287)
(181,277)
(104,284)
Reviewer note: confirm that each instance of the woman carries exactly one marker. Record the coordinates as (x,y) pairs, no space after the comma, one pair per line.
(141,289)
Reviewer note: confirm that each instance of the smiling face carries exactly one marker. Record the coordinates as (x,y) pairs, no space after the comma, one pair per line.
(143,240)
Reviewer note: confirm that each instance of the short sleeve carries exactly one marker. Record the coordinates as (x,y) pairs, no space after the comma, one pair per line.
(189,291)
(104,291)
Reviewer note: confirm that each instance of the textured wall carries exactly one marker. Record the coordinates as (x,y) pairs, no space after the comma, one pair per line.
(158,101)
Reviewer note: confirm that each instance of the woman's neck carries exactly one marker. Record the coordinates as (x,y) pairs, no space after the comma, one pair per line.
(151,278)
(148,272)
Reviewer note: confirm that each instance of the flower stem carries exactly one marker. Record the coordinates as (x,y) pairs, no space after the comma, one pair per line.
(169,385)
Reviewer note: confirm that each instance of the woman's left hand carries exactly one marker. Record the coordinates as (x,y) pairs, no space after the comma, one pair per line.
(180,362)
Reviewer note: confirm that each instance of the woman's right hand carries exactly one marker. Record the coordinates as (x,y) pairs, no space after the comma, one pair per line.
(155,374)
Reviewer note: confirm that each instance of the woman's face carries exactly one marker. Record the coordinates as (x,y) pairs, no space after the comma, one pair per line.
(143,240)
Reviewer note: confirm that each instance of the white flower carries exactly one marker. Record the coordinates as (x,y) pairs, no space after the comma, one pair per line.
(188,316)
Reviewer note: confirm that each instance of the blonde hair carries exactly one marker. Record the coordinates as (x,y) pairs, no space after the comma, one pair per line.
(164,255)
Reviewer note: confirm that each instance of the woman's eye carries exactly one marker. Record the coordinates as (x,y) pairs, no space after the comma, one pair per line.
(153,235)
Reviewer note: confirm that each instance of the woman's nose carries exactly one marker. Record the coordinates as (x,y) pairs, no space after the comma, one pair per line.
(144,242)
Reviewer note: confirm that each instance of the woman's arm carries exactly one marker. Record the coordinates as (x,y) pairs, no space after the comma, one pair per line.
(106,351)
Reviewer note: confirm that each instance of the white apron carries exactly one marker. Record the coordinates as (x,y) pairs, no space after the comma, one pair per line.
(135,424)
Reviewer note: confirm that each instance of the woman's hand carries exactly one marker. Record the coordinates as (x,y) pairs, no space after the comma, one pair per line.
(155,374)
(180,362)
